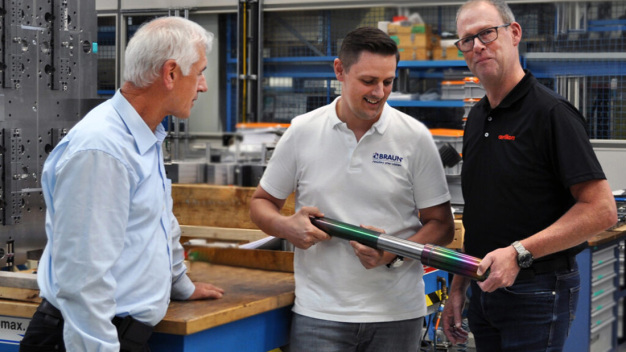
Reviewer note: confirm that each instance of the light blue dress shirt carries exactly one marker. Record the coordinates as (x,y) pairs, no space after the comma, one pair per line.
(113,242)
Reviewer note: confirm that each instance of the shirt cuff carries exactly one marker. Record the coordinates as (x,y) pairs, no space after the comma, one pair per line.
(183,288)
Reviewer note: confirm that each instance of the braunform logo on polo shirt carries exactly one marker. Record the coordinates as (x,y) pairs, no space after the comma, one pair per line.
(387,159)
(506,137)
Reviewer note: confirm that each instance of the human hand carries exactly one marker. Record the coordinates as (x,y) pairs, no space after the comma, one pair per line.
(205,290)
(368,256)
(299,230)
(451,318)
(502,263)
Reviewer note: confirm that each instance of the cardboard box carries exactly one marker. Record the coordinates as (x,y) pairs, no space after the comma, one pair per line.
(421,28)
(449,53)
(412,53)
(397,28)
(413,39)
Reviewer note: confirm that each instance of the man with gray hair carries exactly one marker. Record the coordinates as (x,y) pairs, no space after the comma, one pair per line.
(113,258)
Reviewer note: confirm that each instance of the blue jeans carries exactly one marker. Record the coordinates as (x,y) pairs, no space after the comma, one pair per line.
(532,315)
(315,335)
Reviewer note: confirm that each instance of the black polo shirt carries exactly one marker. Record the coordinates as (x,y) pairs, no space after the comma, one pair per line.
(519,161)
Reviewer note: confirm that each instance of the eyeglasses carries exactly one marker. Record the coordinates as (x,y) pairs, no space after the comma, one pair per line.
(485,36)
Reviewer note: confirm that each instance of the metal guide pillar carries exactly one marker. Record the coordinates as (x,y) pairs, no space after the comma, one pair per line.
(175,123)
(249,60)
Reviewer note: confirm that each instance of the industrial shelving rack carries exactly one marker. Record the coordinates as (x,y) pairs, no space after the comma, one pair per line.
(573,47)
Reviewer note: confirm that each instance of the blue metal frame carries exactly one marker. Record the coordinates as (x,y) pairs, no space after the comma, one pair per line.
(231,73)
(9,348)
(261,333)
(589,68)
(427,103)
(431,64)
(606,25)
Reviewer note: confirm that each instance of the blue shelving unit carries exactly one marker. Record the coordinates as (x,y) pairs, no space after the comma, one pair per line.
(549,65)
(594,328)
(321,67)
(427,104)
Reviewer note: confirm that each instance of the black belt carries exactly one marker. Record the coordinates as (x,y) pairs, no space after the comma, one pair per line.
(553,265)
(50,311)
(132,333)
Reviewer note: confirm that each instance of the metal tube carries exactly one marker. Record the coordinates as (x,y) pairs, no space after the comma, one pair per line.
(400,246)
(346,231)
(435,256)
(452,261)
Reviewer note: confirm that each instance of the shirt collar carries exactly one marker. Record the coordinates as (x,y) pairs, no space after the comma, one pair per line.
(379,126)
(143,135)
(518,91)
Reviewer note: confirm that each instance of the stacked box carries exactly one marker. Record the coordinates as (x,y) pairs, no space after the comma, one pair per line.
(410,53)
(473,88)
(452,90)
(448,53)
(467,104)
(415,41)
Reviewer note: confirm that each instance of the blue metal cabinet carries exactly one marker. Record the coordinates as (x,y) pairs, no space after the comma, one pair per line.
(594,328)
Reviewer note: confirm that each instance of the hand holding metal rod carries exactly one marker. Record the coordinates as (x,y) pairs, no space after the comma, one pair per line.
(435,256)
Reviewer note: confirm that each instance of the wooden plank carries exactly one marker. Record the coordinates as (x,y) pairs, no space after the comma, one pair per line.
(20,294)
(248,292)
(214,205)
(247,258)
(18,280)
(621,228)
(222,233)
(17,309)
(606,236)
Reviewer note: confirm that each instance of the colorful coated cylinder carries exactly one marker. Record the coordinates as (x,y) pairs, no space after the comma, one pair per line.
(435,256)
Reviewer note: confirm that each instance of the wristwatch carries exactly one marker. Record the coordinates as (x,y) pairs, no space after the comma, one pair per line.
(524,257)
(396,262)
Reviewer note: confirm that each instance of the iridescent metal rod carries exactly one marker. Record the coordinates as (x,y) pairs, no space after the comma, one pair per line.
(435,256)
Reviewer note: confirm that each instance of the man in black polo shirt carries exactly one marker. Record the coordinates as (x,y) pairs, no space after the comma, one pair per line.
(534,194)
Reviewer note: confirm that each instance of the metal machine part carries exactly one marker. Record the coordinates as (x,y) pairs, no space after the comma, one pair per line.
(431,255)
(188,171)
(48,82)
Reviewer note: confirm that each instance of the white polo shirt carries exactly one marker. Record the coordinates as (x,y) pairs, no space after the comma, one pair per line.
(382,180)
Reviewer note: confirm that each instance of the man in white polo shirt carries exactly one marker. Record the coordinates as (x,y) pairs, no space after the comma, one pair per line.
(360,161)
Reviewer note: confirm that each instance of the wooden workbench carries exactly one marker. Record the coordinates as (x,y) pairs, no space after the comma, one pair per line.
(608,236)
(253,314)
(247,292)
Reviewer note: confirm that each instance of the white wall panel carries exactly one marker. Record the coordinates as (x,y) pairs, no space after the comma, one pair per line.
(104,5)
(165,4)
(205,113)
(611,154)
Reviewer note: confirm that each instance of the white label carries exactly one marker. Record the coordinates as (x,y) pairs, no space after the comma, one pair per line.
(12,329)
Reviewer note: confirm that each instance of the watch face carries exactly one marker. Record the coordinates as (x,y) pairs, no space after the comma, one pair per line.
(525,260)
(396,262)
